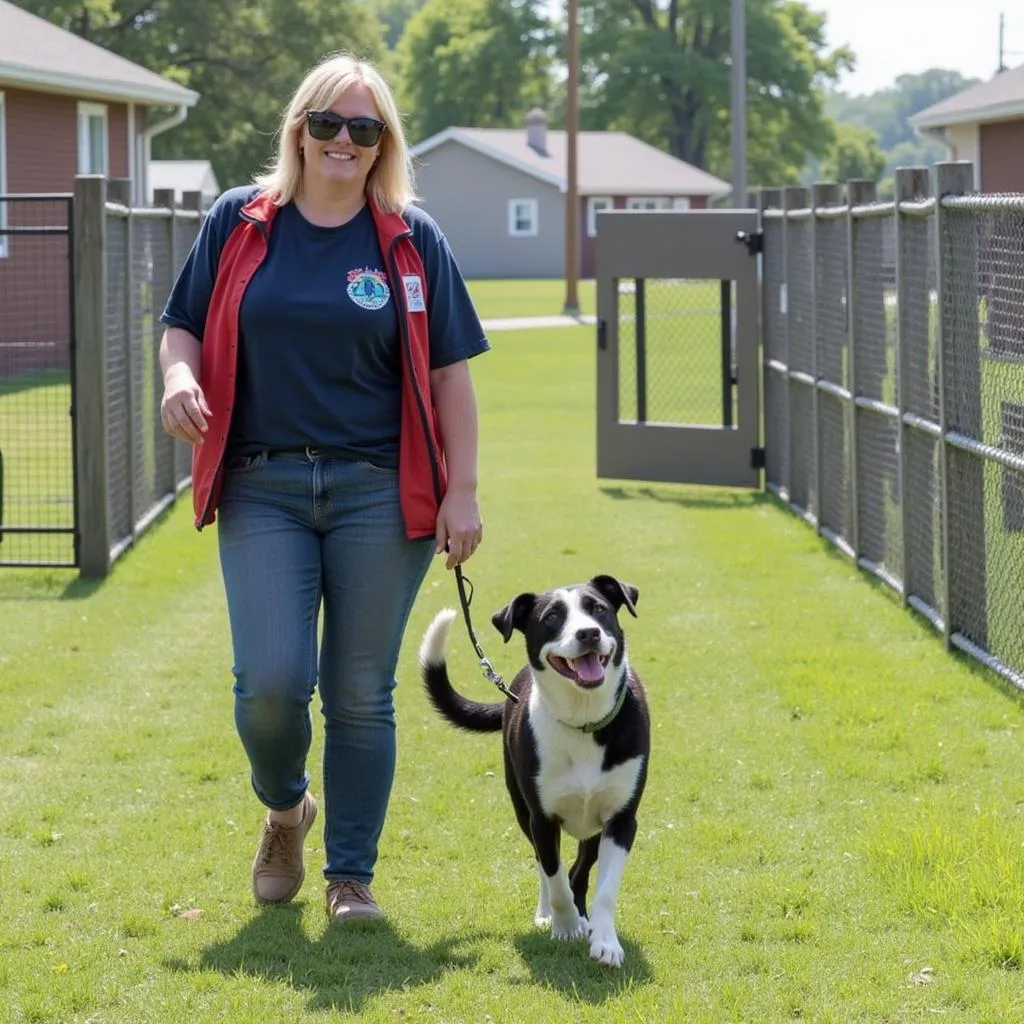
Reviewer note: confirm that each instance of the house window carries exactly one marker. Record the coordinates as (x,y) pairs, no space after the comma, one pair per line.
(4,248)
(522,218)
(681,203)
(92,138)
(647,203)
(594,204)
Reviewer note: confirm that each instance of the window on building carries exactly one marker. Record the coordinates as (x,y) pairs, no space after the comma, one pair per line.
(594,205)
(92,139)
(647,203)
(522,218)
(681,203)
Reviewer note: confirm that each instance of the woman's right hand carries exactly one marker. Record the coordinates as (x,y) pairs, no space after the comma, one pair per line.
(183,410)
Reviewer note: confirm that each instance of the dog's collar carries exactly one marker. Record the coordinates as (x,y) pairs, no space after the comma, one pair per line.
(620,699)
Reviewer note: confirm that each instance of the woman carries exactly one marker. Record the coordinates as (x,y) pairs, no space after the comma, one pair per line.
(316,357)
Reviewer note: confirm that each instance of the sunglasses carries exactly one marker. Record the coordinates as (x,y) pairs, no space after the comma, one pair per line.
(324,125)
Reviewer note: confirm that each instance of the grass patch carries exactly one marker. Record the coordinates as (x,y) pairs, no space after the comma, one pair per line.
(527,297)
(832,830)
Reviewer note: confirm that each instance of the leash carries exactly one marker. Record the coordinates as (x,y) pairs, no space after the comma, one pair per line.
(485,664)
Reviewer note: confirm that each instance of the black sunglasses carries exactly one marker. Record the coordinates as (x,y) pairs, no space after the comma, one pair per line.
(324,125)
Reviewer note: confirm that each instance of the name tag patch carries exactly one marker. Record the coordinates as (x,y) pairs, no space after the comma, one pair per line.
(414,293)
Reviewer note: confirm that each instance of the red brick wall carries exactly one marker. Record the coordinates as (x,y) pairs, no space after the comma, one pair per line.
(1002,156)
(42,157)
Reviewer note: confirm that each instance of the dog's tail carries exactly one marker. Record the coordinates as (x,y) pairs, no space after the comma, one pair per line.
(466,714)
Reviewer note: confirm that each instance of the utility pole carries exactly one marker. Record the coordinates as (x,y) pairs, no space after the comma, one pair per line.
(1002,44)
(738,89)
(572,202)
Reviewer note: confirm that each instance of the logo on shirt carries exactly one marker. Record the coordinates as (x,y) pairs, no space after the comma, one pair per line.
(368,288)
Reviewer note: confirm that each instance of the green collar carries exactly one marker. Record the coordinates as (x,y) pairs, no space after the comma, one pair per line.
(610,717)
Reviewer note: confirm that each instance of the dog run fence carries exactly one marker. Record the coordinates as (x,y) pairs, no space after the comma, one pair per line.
(893,378)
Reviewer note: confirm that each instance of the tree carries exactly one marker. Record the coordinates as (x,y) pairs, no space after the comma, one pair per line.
(244,58)
(660,70)
(854,154)
(480,63)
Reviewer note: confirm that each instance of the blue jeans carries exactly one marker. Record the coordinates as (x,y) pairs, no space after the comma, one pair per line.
(295,533)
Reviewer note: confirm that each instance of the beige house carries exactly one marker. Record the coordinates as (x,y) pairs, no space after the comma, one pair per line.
(499,194)
(985,125)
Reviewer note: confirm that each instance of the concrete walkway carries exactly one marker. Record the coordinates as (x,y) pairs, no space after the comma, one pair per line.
(520,323)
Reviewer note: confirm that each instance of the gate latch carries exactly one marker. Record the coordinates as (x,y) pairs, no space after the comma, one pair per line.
(753,240)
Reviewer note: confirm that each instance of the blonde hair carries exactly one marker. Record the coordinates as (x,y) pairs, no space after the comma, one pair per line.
(390,183)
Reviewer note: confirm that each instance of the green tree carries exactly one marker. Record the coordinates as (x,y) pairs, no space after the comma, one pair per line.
(660,70)
(480,63)
(854,154)
(244,58)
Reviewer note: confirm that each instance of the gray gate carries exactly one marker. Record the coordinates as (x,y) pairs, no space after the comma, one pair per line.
(38,507)
(677,363)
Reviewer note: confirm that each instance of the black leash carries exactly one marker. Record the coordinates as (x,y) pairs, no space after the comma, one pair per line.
(485,664)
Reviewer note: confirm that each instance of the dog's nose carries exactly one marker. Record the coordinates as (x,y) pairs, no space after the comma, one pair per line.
(588,636)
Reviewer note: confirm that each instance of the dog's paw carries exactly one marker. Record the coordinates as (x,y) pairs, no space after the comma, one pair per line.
(542,920)
(566,927)
(606,950)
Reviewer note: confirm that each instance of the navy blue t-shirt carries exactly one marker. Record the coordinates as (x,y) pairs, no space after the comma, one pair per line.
(319,348)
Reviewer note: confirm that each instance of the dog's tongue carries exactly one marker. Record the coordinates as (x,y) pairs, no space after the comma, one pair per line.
(588,668)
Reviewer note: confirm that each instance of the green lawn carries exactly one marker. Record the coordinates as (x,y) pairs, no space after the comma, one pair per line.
(832,830)
(527,297)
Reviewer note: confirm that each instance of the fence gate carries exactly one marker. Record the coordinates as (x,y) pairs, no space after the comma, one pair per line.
(677,362)
(38,517)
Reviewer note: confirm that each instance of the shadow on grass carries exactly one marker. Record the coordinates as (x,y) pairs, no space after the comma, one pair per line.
(567,968)
(342,969)
(691,498)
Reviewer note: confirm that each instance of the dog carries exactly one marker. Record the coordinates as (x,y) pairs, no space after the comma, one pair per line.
(576,744)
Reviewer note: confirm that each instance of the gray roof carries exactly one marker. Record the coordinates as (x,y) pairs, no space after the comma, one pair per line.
(998,98)
(36,54)
(609,163)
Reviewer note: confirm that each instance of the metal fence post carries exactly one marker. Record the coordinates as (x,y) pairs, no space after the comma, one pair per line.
(911,183)
(960,412)
(165,197)
(794,197)
(859,192)
(823,194)
(90,405)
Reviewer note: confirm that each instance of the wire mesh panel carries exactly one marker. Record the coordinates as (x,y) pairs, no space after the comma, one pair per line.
(874,358)
(37,487)
(119,413)
(832,341)
(671,356)
(800,320)
(776,379)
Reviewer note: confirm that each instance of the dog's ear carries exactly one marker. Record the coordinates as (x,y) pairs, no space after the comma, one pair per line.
(514,615)
(617,592)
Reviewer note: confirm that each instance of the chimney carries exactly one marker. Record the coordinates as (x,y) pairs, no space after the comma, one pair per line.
(537,131)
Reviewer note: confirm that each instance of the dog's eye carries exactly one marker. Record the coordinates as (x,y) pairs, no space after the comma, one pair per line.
(551,617)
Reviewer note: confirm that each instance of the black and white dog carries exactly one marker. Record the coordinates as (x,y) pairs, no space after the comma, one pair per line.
(576,744)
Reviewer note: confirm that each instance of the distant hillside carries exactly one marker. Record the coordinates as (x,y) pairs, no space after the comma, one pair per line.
(886,112)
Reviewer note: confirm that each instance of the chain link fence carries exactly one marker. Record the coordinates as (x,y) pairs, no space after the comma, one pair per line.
(893,344)
(37,507)
(126,259)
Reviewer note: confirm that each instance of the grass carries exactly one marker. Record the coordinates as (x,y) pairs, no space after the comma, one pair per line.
(527,297)
(832,831)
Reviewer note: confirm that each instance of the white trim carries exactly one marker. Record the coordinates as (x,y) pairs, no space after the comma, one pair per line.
(86,112)
(5,248)
(83,85)
(454,135)
(592,211)
(534,228)
(986,112)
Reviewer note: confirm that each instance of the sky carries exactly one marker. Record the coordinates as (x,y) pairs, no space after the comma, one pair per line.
(894,37)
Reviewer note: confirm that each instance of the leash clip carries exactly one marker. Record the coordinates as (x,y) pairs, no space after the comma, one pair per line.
(493,676)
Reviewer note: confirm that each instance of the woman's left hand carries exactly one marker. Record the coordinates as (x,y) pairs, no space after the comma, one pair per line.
(459,529)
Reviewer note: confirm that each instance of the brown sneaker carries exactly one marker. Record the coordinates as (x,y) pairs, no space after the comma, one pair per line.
(278,870)
(351,901)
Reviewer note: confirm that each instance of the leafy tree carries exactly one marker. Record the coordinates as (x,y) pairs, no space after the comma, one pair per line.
(244,58)
(660,70)
(480,63)
(854,154)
